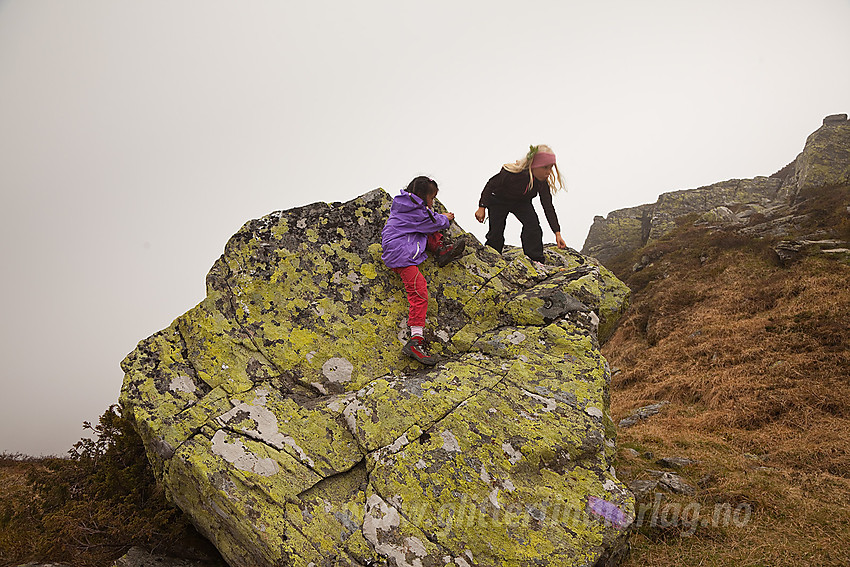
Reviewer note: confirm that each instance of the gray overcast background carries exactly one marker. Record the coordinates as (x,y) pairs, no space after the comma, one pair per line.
(137,137)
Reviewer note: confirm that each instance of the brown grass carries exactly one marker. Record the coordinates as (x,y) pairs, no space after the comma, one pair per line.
(754,360)
(90,508)
(15,492)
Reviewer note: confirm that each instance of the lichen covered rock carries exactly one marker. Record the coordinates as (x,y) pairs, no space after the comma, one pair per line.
(282,418)
(823,163)
(825,160)
(628,229)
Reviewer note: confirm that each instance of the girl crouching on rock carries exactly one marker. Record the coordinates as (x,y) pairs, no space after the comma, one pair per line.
(512,190)
(412,228)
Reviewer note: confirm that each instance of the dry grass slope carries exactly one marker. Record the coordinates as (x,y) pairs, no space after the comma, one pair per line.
(755,360)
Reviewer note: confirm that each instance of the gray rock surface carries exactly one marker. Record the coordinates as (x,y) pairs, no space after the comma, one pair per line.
(824,162)
(138,557)
(281,416)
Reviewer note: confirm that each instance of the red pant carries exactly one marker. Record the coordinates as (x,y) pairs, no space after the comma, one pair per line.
(416,286)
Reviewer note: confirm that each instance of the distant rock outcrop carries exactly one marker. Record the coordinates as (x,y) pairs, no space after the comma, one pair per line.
(824,162)
(281,417)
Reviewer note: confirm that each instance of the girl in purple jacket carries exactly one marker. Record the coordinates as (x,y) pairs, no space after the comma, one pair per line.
(412,228)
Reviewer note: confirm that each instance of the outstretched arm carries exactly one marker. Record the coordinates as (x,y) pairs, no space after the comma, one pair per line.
(551,215)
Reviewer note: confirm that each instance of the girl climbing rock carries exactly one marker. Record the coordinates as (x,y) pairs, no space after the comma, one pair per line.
(512,190)
(412,228)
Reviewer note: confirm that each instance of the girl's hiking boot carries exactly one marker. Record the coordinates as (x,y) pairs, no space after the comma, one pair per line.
(415,349)
(446,254)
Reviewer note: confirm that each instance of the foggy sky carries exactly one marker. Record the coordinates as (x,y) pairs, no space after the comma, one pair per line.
(137,137)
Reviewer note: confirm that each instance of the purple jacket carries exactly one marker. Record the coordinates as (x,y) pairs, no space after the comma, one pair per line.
(406,232)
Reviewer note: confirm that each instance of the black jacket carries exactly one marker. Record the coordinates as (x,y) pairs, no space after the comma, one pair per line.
(506,188)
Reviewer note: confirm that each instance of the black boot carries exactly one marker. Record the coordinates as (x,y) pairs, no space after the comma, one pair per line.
(445,254)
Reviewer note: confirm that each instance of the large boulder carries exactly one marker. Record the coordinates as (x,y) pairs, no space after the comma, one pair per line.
(282,418)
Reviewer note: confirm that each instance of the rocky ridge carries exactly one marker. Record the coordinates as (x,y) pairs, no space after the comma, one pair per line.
(280,416)
(762,206)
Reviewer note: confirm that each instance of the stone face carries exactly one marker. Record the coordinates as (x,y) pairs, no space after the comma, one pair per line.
(628,229)
(621,231)
(824,162)
(672,482)
(835,119)
(137,557)
(282,418)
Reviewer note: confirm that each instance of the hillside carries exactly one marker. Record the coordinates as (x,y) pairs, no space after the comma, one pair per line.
(751,356)
(751,352)
(729,382)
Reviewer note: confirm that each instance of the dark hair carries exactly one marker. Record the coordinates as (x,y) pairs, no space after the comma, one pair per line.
(422,187)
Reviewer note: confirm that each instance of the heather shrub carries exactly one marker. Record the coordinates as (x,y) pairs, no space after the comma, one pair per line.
(89,508)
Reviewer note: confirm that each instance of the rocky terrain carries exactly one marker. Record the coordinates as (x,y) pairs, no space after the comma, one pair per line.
(765,205)
(281,417)
(696,413)
(730,376)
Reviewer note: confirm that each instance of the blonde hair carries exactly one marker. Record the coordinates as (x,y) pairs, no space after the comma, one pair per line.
(554,179)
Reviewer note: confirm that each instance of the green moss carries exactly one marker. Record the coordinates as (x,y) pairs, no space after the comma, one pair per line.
(330,518)
(387,409)
(221,352)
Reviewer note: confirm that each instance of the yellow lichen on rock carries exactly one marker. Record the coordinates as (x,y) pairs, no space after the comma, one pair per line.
(283,418)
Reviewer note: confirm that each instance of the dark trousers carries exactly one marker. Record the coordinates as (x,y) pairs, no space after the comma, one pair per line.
(531,235)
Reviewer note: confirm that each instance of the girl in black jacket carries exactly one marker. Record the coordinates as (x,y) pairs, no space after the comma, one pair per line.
(511,191)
